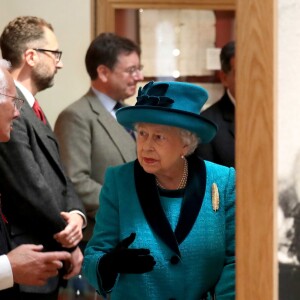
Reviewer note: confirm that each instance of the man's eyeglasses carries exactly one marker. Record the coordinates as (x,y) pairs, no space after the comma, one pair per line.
(57,53)
(18,102)
(132,71)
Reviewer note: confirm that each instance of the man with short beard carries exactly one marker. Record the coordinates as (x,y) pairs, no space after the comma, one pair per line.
(38,199)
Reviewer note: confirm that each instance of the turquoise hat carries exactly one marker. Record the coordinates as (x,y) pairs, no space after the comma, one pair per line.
(170,103)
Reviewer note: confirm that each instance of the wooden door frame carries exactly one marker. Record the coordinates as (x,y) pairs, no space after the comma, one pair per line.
(256,217)
(256,243)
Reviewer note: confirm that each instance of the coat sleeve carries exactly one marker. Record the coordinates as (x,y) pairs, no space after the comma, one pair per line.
(225,288)
(106,231)
(73,133)
(34,185)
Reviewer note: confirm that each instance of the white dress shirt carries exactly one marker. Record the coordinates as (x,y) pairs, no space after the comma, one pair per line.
(230,97)
(6,275)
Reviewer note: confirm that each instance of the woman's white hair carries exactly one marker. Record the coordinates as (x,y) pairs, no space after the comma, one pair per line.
(189,138)
(4,65)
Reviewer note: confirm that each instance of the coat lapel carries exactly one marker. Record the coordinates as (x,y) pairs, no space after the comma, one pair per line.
(227,108)
(45,134)
(193,198)
(119,136)
(150,202)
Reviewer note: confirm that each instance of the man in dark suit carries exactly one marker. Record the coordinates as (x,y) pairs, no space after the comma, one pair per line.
(38,199)
(17,265)
(221,149)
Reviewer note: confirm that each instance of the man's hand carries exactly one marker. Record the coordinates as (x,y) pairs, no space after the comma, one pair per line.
(30,266)
(74,264)
(72,234)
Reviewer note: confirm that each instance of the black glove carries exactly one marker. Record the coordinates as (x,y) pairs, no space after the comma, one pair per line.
(124,260)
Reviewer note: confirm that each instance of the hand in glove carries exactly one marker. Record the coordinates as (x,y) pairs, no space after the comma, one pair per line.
(124,260)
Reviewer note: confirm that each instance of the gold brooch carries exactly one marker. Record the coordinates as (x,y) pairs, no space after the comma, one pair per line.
(215,200)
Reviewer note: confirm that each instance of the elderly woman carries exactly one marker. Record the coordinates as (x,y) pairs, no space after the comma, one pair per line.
(165,227)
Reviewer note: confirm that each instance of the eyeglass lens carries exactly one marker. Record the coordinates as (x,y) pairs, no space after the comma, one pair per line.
(57,53)
(16,101)
(134,70)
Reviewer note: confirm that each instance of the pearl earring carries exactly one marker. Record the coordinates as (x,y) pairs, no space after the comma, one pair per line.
(182,156)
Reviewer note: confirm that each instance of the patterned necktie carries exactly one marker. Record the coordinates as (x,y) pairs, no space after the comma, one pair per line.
(118,105)
(38,111)
(130,131)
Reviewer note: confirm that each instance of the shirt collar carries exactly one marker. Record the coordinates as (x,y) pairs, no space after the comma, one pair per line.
(230,97)
(28,96)
(106,101)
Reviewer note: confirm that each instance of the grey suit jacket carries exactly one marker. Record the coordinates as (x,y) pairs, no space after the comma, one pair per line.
(91,140)
(34,186)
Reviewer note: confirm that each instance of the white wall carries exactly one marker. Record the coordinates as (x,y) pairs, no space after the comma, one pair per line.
(288,85)
(71,22)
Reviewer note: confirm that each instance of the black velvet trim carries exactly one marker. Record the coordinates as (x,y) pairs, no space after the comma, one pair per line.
(149,199)
(171,193)
(148,195)
(193,198)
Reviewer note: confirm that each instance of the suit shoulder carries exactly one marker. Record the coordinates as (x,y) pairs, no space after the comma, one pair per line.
(212,111)
(120,171)
(122,167)
(74,106)
(222,109)
(78,108)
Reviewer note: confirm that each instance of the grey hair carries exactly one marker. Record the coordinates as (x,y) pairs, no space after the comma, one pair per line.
(190,139)
(4,65)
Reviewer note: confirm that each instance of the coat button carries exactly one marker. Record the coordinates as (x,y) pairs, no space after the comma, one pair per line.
(64,193)
(174,260)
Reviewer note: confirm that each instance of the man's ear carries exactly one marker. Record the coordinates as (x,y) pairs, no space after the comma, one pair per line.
(31,57)
(103,72)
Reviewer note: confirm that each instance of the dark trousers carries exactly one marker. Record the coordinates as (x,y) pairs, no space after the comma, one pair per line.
(34,296)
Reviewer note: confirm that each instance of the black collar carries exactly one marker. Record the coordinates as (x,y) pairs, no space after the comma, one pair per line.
(192,201)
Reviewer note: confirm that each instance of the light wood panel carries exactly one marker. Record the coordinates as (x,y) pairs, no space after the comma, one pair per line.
(256,150)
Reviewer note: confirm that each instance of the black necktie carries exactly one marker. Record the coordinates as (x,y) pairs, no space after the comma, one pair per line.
(130,131)
(118,105)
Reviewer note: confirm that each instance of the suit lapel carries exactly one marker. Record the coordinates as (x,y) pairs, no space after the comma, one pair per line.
(117,133)
(44,134)
(227,109)
(150,202)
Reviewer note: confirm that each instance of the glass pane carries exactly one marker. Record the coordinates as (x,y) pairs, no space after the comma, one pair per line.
(179,44)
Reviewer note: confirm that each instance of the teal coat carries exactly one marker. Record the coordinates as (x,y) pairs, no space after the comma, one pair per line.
(193,245)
